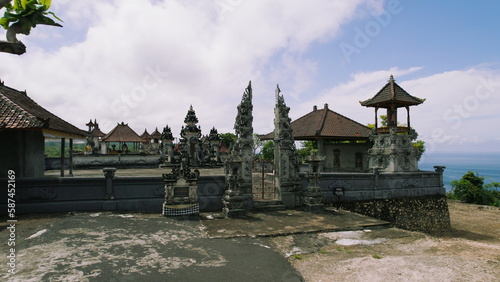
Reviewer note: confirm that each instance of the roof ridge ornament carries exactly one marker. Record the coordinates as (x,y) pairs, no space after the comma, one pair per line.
(393,91)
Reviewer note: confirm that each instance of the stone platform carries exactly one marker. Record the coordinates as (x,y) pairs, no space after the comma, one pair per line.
(286,222)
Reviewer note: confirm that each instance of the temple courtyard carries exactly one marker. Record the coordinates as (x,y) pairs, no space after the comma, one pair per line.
(286,245)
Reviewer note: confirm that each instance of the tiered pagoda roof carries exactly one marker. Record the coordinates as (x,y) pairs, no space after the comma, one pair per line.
(156,134)
(145,135)
(392,94)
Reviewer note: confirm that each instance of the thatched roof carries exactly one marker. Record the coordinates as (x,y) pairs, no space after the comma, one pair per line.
(122,133)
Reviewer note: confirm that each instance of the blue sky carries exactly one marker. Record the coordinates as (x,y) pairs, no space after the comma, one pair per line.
(146,62)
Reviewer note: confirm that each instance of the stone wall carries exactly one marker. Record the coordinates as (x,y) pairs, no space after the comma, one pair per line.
(427,213)
(145,194)
(22,151)
(343,157)
(99,161)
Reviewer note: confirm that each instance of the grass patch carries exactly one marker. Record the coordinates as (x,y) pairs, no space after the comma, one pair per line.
(297,256)
(376,256)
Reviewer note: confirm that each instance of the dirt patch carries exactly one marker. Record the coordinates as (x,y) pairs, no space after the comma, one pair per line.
(470,251)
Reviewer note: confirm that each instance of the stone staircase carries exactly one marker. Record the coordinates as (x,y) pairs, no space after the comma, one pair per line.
(268,205)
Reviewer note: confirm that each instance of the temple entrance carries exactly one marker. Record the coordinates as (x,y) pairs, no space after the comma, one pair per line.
(263,181)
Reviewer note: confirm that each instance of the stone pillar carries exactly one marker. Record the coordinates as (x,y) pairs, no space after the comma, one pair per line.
(109,196)
(313,197)
(440,169)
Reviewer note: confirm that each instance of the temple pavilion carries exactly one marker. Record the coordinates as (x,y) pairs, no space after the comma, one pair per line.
(392,149)
(343,141)
(116,141)
(24,126)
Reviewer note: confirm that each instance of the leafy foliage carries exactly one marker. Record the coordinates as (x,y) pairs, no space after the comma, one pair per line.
(228,139)
(268,151)
(471,189)
(26,14)
(53,149)
(307,147)
(419,145)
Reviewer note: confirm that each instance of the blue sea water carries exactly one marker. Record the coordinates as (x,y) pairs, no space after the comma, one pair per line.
(458,164)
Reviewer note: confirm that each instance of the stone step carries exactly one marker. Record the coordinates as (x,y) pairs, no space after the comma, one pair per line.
(268,205)
(266,202)
(279,207)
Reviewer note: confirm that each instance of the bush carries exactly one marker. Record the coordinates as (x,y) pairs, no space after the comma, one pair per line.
(471,189)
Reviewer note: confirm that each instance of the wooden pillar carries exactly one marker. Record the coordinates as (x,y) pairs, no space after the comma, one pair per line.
(376,118)
(408,116)
(62,156)
(71,157)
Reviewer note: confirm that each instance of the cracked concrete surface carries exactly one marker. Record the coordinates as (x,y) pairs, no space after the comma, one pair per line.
(116,247)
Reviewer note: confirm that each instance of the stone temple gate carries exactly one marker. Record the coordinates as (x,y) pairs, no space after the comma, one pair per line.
(238,197)
(389,151)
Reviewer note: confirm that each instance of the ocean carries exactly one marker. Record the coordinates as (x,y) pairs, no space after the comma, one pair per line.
(458,164)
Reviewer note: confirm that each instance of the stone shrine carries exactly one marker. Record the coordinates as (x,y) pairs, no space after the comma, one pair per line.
(392,149)
(167,145)
(190,138)
(181,191)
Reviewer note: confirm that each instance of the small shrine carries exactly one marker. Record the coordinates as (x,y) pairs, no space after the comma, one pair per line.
(167,145)
(212,148)
(190,138)
(181,191)
(94,138)
(146,145)
(392,149)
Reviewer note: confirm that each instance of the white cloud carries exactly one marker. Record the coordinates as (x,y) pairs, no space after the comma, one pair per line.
(461,106)
(205,52)
(209,54)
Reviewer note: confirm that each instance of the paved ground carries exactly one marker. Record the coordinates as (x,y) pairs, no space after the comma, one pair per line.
(108,246)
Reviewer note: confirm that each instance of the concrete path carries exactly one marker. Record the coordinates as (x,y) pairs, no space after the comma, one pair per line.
(136,247)
(107,246)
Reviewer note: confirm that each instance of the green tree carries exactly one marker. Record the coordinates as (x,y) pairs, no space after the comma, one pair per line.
(228,139)
(383,122)
(268,151)
(20,17)
(471,189)
(307,147)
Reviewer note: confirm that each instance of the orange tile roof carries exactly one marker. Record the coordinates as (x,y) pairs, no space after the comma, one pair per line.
(326,124)
(18,111)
